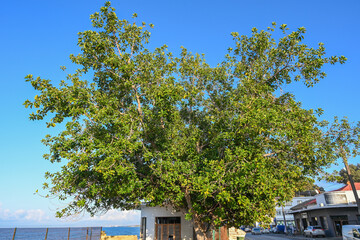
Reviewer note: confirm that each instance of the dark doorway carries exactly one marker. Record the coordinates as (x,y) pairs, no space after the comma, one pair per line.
(143,229)
(298,226)
(338,222)
(167,228)
(304,223)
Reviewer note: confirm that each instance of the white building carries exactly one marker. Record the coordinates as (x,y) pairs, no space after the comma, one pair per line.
(164,223)
(281,211)
(330,210)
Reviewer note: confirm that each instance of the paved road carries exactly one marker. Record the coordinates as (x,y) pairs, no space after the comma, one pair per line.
(282,237)
(266,237)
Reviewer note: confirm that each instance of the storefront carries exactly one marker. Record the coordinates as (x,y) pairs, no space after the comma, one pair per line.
(330,210)
(330,219)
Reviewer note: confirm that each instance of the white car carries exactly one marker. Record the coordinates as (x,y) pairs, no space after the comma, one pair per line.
(256,231)
(273,230)
(247,229)
(314,231)
(351,232)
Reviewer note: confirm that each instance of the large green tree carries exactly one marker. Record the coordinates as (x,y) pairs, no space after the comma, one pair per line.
(345,137)
(343,175)
(220,142)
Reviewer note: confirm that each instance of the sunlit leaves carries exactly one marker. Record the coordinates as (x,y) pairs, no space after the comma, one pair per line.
(220,142)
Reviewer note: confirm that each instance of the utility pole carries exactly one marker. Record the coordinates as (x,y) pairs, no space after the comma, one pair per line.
(351,180)
(283,212)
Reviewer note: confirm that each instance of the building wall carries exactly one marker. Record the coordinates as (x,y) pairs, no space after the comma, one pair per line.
(320,199)
(289,217)
(328,213)
(350,196)
(152,212)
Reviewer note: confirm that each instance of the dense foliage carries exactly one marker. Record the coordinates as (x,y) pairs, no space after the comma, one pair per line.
(345,138)
(220,142)
(355,172)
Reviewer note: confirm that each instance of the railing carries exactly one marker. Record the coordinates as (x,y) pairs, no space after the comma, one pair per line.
(84,233)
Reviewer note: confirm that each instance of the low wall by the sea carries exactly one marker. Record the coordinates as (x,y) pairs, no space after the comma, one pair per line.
(122,237)
(73,233)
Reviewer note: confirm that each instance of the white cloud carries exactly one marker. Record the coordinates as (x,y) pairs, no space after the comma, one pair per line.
(116,215)
(36,215)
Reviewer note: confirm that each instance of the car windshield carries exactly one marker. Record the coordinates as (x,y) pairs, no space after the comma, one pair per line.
(317,227)
(256,229)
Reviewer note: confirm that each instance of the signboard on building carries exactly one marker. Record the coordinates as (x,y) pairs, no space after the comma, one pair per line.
(332,198)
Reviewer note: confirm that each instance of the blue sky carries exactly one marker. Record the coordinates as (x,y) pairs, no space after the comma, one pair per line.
(38,36)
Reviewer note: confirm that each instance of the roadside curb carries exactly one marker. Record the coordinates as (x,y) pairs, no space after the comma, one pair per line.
(299,237)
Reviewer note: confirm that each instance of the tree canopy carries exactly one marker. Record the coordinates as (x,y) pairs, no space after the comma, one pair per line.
(355,172)
(345,138)
(220,142)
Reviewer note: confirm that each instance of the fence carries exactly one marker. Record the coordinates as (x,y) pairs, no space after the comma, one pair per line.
(85,233)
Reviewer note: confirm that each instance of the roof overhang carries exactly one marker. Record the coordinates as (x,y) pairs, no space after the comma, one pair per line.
(324,207)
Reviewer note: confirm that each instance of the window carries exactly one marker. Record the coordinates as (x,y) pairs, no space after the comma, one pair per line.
(167,228)
(288,212)
(356,233)
(167,220)
(288,204)
(299,201)
(143,228)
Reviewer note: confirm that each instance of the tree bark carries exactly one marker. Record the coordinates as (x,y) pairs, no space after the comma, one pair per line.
(202,232)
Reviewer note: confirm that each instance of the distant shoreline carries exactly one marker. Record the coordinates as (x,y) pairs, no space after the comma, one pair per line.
(123,226)
(44,227)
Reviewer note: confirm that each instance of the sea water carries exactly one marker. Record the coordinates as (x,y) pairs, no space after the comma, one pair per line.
(92,233)
(114,231)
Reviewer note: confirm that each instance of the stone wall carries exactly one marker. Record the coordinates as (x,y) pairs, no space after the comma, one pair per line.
(124,237)
(234,233)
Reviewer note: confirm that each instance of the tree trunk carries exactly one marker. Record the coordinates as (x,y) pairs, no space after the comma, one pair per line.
(202,232)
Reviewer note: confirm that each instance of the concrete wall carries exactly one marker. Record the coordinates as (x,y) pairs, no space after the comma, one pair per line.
(350,212)
(289,217)
(125,237)
(234,233)
(152,212)
(350,196)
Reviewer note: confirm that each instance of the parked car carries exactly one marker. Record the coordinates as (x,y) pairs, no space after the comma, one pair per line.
(266,230)
(351,232)
(247,229)
(314,231)
(256,231)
